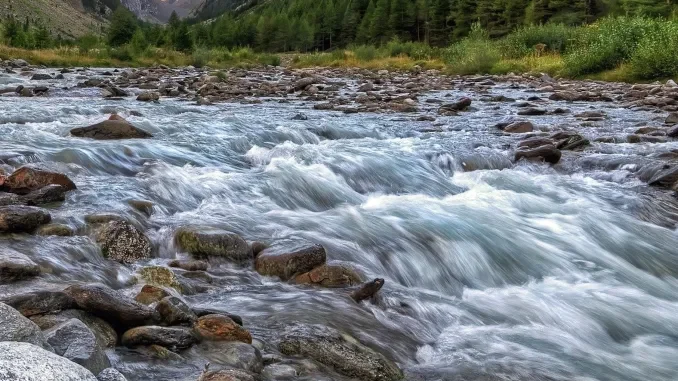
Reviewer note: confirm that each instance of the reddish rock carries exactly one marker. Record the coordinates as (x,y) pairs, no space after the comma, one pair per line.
(221,328)
(330,275)
(27,179)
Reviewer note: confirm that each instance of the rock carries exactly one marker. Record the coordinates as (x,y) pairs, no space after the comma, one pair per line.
(192,265)
(122,242)
(221,328)
(279,372)
(332,274)
(41,77)
(532,111)
(22,219)
(27,362)
(460,105)
(150,294)
(520,127)
(547,153)
(111,130)
(227,375)
(160,276)
(18,62)
(145,207)
(323,106)
(39,302)
(672,118)
(28,179)
(300,116)
(16,327)
(173,311)
(103,218)
(233,355)
(174,338)
(105,334)
(110,374)
(336,350)
(367,290)
(74,341)
(200,312)
(673,132)
(55,230)
(288,258)
(591,115)
(665,178)
(534,142)
(671,83)
(366,87)
(572,143)
(257,248)
(149,96)
(15,266)
(25,92)
(45,195)
(7,199)
(206,242)
(304,83)
(111,305)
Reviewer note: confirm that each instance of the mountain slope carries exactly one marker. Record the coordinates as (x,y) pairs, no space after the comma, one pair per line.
(160,10)
(214,8)
(68,18)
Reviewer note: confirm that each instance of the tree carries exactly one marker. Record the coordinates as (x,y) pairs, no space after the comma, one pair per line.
(122,28)
(139,44)
(379,29)
(182,40)
(41,38)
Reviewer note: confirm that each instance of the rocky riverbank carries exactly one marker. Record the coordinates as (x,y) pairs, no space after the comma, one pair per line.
(131,299)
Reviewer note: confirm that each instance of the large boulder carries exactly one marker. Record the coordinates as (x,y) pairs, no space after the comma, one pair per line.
(342,353)
(173,311)
(16,327)
(76,342)
(174,338)
(221,328)
(111,130)
(160,276)
(16,266)
(206,242)
(22,219)
(123,242)
(28,179)
(110,305)
(288,258)
(39,302)
(332,274)
(27,362)
(105,334)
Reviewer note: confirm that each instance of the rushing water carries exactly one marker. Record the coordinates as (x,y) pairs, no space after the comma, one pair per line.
(520,273)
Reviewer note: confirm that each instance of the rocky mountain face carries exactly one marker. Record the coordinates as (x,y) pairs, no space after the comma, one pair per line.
(160,10)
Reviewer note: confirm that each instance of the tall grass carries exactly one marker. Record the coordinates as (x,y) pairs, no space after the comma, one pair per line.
(474,54)
(657,53)
(557,38)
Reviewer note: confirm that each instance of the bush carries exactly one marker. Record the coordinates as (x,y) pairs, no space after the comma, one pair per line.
(269,59)
(200,57)
(558,38)
(121,53)
(414,50)
(607,44)
(657,53)
(365,52)
(474,54)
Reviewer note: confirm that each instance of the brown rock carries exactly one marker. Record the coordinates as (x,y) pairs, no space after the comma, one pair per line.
(288,258)
(208,242)
(333,274)
(22,219)
(221,328)
(547,153)
(520,127)
(111,130)
(27,179)
(367,290)
(150,294)
(191,265)
(40,302)
(173,338)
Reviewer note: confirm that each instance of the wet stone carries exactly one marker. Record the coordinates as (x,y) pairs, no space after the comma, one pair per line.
(22,219)
(28,179)
(76,342)
(150,294)
(16,327)
(123,242)
(288,258)
(173,311)
(207,242)
(174,338)
(39,302)
(15,266)
(221,328)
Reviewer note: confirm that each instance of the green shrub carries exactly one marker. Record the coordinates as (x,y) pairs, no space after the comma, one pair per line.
(414,50)
(657,53)
(365,52)
(121,53)
(474,54)
(338,55)
(558,38)
(607,44)
(200,57)
(269,59)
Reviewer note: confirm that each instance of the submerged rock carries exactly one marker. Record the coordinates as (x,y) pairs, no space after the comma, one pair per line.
(232,354)
(16,266)
(28,179)
(111,305)
(58,230)
(206,242)
(123,242)
(192,265)
(76,342)
(22,219)
(288,258)
(339,351)
(174,338)
(27,362)
(111,130)
(16,327)
(221,328)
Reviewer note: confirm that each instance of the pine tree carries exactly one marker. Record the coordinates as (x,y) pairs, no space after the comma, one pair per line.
(439,26)
(364,30)
(379,28)
(182,40)
(122,28)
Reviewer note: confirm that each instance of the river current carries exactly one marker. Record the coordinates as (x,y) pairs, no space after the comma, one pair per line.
(511,272)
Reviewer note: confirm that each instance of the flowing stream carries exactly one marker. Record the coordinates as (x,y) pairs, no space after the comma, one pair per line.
(512,272)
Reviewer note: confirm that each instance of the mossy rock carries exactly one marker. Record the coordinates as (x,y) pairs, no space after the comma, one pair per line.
(160,276)
(209,242)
